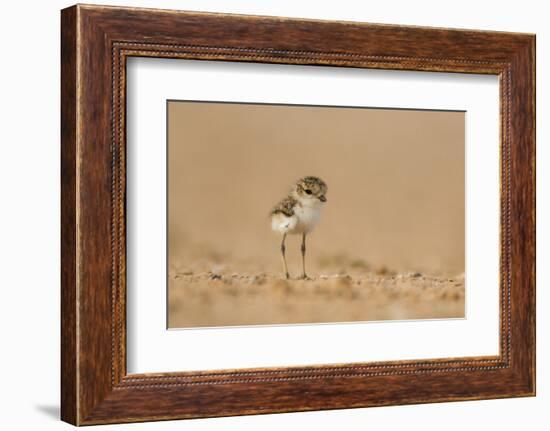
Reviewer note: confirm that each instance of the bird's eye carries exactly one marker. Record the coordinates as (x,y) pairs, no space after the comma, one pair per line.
(308,191)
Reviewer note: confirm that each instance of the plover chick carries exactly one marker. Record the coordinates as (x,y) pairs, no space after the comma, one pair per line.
(298,213)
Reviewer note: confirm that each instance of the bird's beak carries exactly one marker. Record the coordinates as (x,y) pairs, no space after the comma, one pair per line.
(322,198)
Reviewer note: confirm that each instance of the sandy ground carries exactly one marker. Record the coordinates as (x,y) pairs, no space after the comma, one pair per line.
(395,208)
(222,297)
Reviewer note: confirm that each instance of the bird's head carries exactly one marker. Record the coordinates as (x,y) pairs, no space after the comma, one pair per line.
(310,191)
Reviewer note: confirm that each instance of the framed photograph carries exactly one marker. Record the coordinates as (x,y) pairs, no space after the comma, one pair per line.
(264,214)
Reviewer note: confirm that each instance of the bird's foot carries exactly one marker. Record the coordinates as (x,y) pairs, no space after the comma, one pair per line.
(306,277)
(287,276)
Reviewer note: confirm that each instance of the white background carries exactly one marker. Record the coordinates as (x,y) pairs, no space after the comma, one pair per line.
(151,348)
(29,220)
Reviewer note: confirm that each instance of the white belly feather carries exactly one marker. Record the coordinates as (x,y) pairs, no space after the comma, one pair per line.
(282,223)
(303,221)
(308,217)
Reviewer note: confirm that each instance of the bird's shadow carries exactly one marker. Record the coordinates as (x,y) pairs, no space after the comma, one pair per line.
(52,411)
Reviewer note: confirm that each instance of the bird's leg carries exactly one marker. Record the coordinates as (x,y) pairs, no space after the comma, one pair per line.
(303,248)
(283,248)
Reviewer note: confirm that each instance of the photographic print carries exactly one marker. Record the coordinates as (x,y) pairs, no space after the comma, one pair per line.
(287,214)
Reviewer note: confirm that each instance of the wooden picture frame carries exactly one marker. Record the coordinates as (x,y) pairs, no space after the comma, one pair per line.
(95,43)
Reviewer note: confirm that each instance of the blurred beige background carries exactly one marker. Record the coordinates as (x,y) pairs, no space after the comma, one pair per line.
(396,184)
